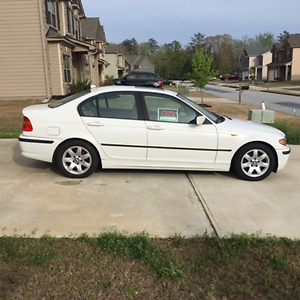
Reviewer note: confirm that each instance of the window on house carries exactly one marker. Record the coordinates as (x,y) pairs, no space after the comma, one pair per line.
(275,56)
(288,54)
(67,72)
(52,13)
(75,28)
(69,19)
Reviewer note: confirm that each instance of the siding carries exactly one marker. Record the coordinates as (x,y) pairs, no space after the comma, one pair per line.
(296,64)
(56,70)
(22,73)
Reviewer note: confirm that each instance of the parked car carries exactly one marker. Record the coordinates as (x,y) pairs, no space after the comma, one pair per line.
(144,128)
(183,78)
(167,82)
(140,79)
(230,77)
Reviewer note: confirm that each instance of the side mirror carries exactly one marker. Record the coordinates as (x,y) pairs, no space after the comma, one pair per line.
(200,120)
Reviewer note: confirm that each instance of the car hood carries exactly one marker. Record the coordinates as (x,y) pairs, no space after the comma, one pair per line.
(237,126)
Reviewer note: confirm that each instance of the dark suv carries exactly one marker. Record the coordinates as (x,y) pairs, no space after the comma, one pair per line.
(140,79)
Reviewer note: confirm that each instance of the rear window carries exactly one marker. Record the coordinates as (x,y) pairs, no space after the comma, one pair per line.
(67,99)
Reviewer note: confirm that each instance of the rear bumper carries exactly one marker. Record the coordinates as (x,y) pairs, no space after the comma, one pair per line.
(37,148)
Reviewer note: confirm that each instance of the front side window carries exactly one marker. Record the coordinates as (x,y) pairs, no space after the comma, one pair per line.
(131,76)
(164,108)
(67,72)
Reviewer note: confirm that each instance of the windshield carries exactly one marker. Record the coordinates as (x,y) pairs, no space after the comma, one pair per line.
(212,116)
(68,99)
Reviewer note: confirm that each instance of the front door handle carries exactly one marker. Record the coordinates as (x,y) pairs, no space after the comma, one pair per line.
(96,124)
(155,128)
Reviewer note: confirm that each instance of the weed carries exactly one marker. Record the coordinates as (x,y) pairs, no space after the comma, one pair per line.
(278,260)
(132,290)
(104,285)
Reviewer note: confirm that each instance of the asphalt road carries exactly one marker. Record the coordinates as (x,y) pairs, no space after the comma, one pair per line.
(35,200)
(278,102)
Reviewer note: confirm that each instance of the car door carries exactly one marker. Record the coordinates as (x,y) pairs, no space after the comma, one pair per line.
(173,135)
(112,118)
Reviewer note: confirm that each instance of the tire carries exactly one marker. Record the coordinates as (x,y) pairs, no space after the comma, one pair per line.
(77,159)
(254,162)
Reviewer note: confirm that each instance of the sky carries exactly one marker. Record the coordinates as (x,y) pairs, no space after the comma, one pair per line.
(170,20)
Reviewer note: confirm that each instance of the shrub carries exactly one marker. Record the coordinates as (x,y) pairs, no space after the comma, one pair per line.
(79,86)
(292,132)
(108,81)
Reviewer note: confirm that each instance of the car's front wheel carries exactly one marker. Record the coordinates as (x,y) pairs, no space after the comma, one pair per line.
(77,159)
(254,162)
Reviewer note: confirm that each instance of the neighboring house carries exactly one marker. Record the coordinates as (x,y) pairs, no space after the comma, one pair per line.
(255,59)
(285,63)
(139,63)
(42,49)
(93,33)
(116,61)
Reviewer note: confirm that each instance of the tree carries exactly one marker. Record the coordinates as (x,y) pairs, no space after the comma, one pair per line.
(198,41)
(264,39)
(152,46)
(221,47)
(202,69)
(283,36)
(130,46)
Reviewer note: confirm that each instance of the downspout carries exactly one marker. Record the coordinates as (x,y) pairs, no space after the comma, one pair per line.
(44,48)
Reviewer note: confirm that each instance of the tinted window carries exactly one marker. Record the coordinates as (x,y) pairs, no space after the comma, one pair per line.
(89,108)
(120,105)
(131,76)
(165,108)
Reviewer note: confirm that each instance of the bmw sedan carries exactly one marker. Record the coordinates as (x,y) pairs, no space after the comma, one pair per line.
(146,128)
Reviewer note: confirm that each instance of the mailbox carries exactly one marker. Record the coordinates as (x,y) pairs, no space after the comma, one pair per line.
(245,87)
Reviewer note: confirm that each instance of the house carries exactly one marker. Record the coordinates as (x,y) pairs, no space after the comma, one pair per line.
(42,49)
(285,63)
(139,63)
(93,33)
(116,61)
(253,62)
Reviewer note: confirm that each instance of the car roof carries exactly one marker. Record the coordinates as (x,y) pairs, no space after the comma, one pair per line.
(115,88)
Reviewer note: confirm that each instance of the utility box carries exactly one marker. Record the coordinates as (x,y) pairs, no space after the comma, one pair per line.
(261,115)
(183,90)
(268,116)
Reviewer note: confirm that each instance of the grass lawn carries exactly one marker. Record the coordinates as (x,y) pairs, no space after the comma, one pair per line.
(113,266)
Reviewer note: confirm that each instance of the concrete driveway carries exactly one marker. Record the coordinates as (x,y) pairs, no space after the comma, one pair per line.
(35,200)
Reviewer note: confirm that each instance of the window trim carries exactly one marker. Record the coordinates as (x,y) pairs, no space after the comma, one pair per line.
(67,69)
(52,13)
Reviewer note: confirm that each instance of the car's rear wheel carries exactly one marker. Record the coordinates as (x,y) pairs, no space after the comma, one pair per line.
(254,162)
(77,159)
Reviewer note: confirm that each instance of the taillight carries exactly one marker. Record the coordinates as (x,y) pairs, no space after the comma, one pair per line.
(27,126)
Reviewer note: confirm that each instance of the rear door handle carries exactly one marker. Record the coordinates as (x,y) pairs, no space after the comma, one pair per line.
(155,128)
(95,124)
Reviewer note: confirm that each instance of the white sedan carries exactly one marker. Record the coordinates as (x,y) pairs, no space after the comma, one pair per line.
(144,128)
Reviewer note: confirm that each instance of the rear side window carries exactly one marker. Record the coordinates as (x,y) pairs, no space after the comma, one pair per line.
(117,105)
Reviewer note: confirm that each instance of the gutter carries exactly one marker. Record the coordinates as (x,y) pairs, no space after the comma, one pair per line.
(43,38)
